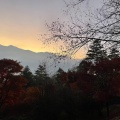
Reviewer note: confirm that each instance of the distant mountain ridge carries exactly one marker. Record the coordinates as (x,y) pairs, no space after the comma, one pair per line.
(33,59)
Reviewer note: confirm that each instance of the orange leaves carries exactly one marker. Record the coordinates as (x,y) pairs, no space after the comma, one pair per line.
(79,81)
(32,95)
(100,81)
(10,66)
(11,82)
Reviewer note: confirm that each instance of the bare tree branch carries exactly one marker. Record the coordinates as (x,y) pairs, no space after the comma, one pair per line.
(76,35)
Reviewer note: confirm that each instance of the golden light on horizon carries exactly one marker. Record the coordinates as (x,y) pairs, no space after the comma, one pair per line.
(37,46)
(21,23)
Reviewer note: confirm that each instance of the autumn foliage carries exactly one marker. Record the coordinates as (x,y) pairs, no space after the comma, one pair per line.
(11,82)
(74,93)
(100,81)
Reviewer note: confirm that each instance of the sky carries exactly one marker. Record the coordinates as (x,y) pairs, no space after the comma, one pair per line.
(23,21)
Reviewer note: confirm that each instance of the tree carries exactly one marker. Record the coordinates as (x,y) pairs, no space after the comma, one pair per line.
(11,82)
(84,66)
(58,75)
(107,80)
(114,53)
(26,73)
(101,84)
(96,52)
(41,76)
(32,95)
(75,35)
(60,70)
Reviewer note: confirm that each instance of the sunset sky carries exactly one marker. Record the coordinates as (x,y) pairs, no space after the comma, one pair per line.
(22,22)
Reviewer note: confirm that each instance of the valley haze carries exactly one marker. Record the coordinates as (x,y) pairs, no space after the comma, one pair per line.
(33,59)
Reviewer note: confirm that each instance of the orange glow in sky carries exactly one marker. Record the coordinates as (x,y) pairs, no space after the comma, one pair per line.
(22,21)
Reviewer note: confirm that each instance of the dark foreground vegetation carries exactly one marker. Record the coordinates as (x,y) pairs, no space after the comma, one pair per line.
(90,91)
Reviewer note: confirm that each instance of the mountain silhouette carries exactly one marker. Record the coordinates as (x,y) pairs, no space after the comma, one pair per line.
(33,59)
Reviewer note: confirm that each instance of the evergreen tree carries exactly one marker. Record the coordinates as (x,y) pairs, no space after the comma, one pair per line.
(114,53)
(84,66)
(58,75)
(41,76)
(96,53)
(60,71)
(26,73)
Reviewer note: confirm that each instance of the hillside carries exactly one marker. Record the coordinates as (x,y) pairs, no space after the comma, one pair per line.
(33,59)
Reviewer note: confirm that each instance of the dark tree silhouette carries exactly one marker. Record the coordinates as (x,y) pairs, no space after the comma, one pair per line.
(96,52)
(41,76)
(11,82)
(106,28)
(114,53)
(26,73)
